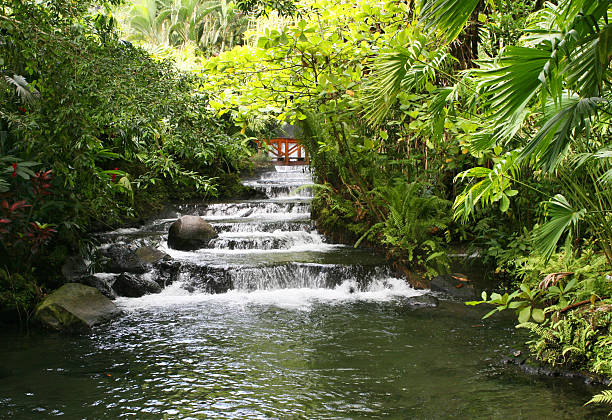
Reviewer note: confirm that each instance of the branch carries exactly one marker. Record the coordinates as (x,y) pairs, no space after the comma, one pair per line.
(577,304)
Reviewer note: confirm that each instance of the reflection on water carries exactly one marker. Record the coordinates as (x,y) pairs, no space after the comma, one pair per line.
(307,330)
(239,357)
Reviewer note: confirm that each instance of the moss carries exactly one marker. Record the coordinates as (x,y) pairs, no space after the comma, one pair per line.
(74,307)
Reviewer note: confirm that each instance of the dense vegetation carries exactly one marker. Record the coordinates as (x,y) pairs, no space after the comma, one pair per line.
(444,121)
(429,124)
(93,131)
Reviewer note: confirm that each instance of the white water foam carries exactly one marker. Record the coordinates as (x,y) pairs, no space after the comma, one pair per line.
(194,256)
(295,299)
(260,217)
(277,239)
(123,231)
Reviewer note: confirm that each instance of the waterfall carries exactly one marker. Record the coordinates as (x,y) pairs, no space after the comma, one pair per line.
(267,250)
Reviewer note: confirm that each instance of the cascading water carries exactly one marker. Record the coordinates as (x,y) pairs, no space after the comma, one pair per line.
(270,245)
(272,321)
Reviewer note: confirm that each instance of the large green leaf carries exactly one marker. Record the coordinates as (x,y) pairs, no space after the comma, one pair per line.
(561,217)
(403,69)
(448,16)
(560,124)
(510,84)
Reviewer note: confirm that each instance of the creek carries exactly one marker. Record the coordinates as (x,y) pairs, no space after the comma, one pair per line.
(298,328)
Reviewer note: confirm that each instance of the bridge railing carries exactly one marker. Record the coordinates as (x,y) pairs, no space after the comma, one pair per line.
(284,151)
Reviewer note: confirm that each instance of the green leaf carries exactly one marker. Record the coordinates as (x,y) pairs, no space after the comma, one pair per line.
(490,313)
(538,315)
(505,203)
(4,186)
(448,16)
(524,314)
(561,217)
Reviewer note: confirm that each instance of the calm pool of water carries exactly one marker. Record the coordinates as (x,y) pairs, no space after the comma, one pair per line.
(266,356)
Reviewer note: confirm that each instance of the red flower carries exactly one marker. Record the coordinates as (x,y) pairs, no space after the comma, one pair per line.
(14,174)
(42,182)
(39,234)
(13,208)
(114,175)
(4,221)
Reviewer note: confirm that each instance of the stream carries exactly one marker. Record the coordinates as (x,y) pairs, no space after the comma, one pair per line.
(303,329)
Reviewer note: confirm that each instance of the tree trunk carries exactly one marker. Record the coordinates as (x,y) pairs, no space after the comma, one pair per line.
(465,47)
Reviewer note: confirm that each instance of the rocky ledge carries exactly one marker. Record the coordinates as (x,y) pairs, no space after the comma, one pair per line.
(75,307)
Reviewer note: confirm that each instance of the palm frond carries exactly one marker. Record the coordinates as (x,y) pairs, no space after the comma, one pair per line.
(562,216)
(401,69)
(448,16)
(560,125)
(510,84)
(27,93)
(589,59)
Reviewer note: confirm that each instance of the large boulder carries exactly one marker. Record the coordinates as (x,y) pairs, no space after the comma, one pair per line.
(189,233)
(75,307)
(131,285)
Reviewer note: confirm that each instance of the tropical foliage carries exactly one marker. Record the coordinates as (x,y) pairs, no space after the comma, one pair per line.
(428,123)
(92,131)
(212,26)
(501,107)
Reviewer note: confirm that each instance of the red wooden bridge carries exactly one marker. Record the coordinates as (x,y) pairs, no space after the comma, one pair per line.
(284,151)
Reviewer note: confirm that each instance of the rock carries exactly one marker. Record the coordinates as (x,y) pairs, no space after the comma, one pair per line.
(248,212)
(205,279)
(75,307)
(131,285)
(189,233)
(75,271)
(167,272)
(453,287)
(423,301)
(534,368)
(150,255)
(122,259)
(103,282)
(74,268)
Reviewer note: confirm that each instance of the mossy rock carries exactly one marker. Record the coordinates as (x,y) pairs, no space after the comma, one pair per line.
(75,307)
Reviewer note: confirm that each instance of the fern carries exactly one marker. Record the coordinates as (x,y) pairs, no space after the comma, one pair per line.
(413,218)
(604,397)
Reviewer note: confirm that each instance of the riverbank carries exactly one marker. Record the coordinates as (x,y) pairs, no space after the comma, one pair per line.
(20,292)
(283,296)
(564,303)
